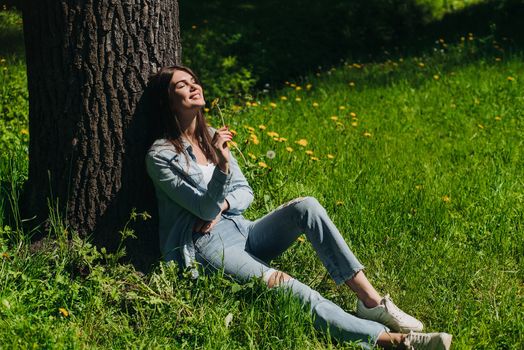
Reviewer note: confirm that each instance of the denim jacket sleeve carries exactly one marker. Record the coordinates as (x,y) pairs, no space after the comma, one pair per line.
(168,176)
(240,194)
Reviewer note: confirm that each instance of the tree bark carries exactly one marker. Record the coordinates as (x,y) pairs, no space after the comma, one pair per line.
(88,63)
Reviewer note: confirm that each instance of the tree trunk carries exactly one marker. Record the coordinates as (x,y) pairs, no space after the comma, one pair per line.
(88,63)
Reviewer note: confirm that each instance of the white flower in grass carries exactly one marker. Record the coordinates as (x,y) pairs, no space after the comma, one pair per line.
(270,154)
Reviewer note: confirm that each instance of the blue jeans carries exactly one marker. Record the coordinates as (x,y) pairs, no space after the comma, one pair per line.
(243,249)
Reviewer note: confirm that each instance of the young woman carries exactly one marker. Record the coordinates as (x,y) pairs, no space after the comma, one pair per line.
(201,195)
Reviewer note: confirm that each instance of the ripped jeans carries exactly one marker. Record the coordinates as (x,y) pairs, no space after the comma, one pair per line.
(243,249)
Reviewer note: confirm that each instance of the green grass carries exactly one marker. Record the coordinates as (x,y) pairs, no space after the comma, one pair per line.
(424,183)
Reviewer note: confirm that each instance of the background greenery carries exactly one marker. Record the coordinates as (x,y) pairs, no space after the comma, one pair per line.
(415,153)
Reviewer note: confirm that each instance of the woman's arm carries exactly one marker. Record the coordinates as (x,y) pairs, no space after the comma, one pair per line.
(240,194)
(172,180)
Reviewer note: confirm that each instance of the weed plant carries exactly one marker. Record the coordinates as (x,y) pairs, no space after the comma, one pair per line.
(418,160)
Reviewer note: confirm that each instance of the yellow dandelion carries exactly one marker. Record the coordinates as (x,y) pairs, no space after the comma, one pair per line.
(283,98)
(446,199)
(252,156)
(366,134)
(233,143)
(315,104)
(2,61)
(248,103)
(24,132)
(289,149)
(298,88)
(498,59)
(330,156)
(353,115)
(249,128)
(262,165)
(234,132)
(301,142)
(498,118)
(309,86)
(254,139)
(351,83)
(236,108)
(333,117)
(262,127)
(280,139)
(421,64)
(340,124)
(286,82)
(339,203)
(314,158)
(254,104)
(193,27)
(356,65)
(354,124)
(309,152)
(298,99)
(206,110)
(272,134)
(63,312)
(480,126)
(301,239)
(273,104)
(293,85)
(436,77)
(418,187)
(341,108)
(511,79)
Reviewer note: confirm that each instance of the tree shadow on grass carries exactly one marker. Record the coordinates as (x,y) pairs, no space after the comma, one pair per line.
(284,40)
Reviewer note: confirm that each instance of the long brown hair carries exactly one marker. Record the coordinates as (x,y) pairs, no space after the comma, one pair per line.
(166,121)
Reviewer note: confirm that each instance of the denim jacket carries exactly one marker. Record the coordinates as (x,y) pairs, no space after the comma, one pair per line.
(183,197)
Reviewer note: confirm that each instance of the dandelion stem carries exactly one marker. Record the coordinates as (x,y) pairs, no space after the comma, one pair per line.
(224,125)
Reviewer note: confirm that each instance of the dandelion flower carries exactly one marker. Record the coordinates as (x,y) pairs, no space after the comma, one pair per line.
(301,239)
(498,59)
(421,64)
(309,86)
(366,134)
(293,85)
(280,139)
(480,126)
(273,104)
(353,115)
(234,132)
(298,88)
(333,117)
(498,118)
(418,187)
(24,132)
(314,158)
(233,143)
(193,27)
(511,79)
(330,156)
(302,142)
(270,154)
(289,149)
(352,84)
(298,99)
(283,98)
(341,108)
(262,165)
(436,77)
(355,124)
(339,203)
(262,127)
(63,312)
(309,152)
(446,199)
(272,134)
(315,104)
(206,110)
(252,156)
(254,139)
(249,128)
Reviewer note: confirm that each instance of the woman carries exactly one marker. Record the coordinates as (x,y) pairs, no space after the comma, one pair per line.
(201,195)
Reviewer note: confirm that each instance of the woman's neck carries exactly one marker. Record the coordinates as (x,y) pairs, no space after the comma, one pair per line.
(188,125)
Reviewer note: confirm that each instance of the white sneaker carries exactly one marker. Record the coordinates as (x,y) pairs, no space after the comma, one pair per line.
(390,315)
(427,341)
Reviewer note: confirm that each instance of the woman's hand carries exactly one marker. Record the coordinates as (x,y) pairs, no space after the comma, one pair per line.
(220,139)
(204,226)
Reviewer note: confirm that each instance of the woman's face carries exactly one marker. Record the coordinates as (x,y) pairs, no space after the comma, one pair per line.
(185,93)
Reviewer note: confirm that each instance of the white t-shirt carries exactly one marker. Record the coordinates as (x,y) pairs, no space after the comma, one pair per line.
(207,170)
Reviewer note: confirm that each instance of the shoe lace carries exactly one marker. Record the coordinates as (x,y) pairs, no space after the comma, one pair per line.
(413,339)
(391,308)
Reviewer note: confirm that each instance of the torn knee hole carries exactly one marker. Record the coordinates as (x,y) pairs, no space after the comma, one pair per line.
(276,278)
(293,201)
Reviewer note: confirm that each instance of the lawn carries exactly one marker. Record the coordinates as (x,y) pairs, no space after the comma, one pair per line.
(417,159)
